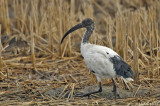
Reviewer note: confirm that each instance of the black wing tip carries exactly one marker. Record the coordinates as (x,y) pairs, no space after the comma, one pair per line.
(121,67)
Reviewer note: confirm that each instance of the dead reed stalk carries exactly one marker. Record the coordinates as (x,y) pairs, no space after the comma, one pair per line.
(6,21)
(134,26)
(60,25)
(1,47)
(32,45)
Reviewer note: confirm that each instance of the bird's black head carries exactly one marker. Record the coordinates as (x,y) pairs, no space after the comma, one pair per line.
(85,23)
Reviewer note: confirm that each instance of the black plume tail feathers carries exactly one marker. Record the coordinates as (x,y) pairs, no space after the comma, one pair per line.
(122,68)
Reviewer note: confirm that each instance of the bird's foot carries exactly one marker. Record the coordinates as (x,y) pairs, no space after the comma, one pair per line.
(116,94)
(83,95)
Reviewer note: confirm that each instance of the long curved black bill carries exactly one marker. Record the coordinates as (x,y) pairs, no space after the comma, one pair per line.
(71,30)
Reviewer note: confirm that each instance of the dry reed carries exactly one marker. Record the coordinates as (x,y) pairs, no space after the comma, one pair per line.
(131,31)
(1,65)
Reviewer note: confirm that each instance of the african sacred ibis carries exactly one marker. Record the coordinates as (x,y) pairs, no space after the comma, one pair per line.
(102,61)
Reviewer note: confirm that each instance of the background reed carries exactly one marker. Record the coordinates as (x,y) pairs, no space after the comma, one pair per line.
(129,27)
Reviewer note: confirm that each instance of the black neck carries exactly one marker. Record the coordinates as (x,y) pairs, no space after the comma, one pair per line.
(87,34)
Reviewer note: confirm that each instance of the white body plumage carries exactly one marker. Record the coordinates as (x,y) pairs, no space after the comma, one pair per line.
(97,60)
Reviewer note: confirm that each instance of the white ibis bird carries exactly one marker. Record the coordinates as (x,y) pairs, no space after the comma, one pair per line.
(101,60)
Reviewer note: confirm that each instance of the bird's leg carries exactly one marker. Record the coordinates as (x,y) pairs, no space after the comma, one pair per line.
(88,94)
(114,88)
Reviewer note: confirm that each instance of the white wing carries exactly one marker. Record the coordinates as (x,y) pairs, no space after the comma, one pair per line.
(97,59)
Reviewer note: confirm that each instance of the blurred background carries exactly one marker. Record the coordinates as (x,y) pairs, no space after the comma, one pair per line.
(34,62)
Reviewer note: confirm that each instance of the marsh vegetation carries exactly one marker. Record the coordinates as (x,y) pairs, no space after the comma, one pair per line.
(35,69)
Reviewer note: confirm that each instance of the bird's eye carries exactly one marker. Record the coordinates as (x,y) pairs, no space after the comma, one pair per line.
(107,52)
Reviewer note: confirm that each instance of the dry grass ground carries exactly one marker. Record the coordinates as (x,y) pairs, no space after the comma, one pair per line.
(33,63)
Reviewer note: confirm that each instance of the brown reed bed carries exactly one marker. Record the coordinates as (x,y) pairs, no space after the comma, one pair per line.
(33,63)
